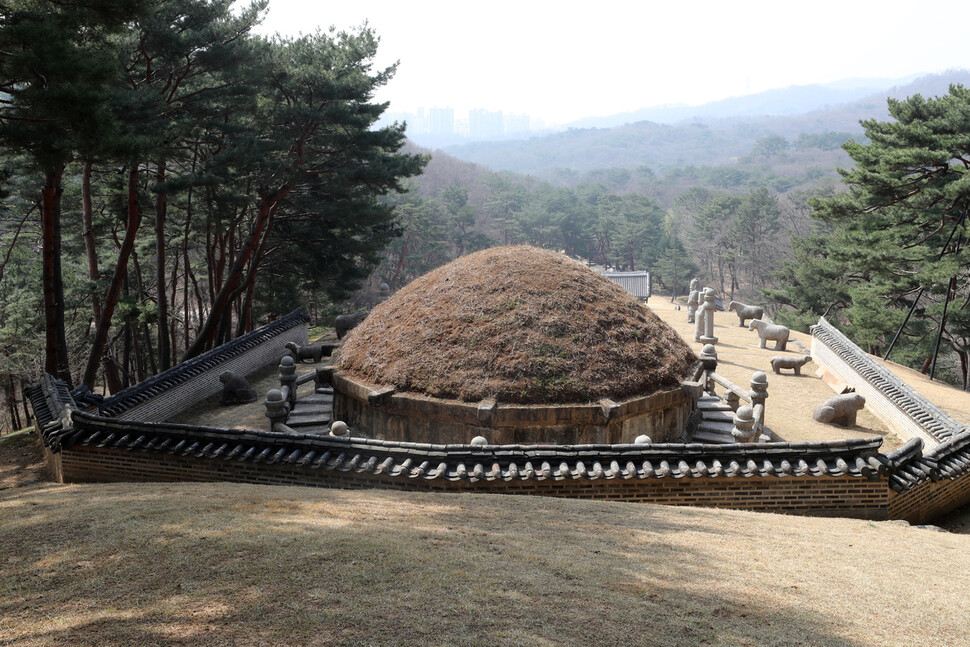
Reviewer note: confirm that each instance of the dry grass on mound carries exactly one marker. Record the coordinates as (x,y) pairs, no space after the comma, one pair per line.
(519,324)
(227,564)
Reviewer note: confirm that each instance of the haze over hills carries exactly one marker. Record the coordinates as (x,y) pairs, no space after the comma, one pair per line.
(784,101)
(704,140)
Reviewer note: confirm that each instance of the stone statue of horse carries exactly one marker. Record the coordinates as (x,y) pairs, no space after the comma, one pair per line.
(766,331)
(746,312)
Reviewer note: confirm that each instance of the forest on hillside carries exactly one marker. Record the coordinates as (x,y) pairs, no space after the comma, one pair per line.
(170,181)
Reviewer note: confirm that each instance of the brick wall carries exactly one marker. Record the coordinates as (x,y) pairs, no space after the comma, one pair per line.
(817,496)
(930,499)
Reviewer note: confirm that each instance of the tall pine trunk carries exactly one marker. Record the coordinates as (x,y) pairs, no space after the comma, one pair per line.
(111,374)
(91,251)
(164,349)
(56,361)
(221,304)
(117,280)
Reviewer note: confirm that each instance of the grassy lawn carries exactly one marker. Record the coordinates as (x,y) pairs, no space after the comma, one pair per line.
(227,564)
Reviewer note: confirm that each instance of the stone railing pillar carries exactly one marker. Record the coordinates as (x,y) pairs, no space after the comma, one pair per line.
(759,393)
(288,380)
(744,431)
(323,377)
(276,408)
(708,358)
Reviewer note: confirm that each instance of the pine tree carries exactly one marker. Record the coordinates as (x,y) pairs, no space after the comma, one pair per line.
(58,81)
(899,231)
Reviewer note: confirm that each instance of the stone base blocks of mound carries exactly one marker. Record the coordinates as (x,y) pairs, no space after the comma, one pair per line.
(410,417)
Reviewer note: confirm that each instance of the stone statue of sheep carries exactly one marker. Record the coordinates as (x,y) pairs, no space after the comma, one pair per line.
(840,409)
(236,389)
(301,353)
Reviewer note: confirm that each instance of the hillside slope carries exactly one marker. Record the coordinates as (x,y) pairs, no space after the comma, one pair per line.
(227,564)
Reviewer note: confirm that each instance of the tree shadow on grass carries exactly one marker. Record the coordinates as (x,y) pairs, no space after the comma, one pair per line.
(246,565)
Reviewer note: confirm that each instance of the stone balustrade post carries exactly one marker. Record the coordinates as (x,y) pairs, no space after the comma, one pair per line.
(288,379)
(323,377)
(759,393)
(744,431)
(276,409)
(708,358)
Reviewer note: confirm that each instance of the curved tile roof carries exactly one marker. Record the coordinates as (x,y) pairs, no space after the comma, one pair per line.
(853,457)
(50,400)
(62,426)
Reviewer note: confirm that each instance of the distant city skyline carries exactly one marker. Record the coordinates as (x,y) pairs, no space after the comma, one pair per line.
(560,64)
(444,125)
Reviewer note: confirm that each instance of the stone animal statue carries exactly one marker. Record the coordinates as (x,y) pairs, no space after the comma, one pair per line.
(746,312)
(779,362)
(766,331)
(840,409)
(314,353)
(344,323)
(236,389)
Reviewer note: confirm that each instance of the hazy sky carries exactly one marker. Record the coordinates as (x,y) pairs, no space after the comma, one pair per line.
(560,62)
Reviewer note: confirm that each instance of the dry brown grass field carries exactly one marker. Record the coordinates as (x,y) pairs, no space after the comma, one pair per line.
(227,564)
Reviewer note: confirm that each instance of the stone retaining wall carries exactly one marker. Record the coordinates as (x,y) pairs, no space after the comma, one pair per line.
(414,418)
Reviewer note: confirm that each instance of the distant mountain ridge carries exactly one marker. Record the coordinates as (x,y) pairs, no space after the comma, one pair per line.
(698,141)
(784,101)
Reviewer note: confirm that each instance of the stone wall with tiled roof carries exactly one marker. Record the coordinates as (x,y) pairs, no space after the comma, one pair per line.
(905,411)
(53,405)
(845,478)
(172,391)
(852,457)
